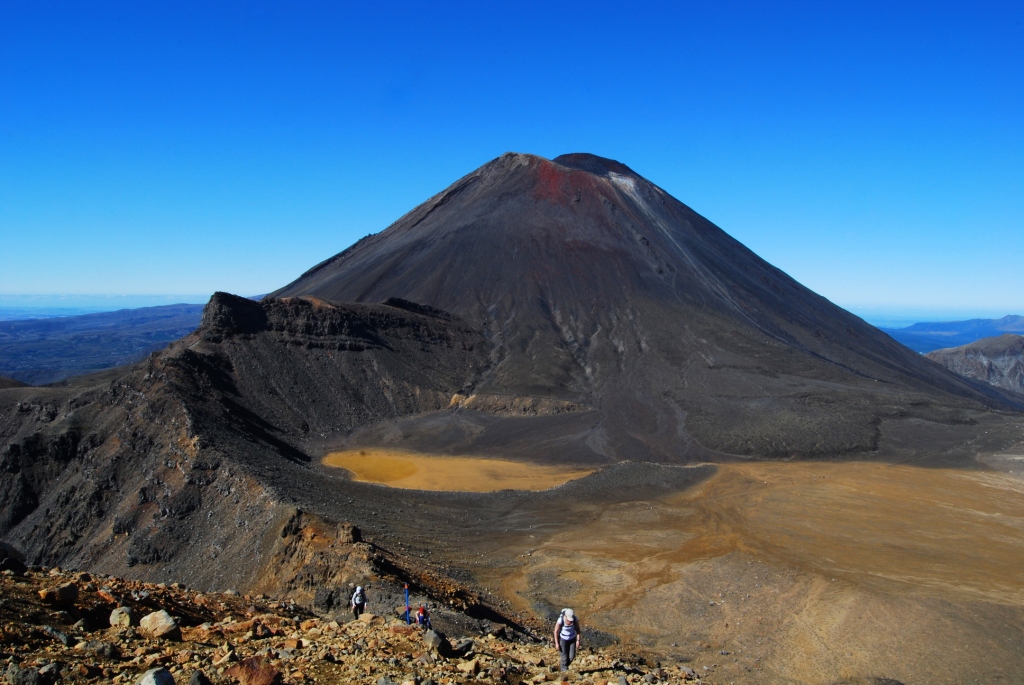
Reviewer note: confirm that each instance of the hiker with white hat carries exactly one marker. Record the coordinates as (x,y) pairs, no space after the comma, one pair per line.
(567,636)
(358,601)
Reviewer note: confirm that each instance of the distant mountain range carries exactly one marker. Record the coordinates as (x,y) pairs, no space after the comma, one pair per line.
(928,337)
(40,351)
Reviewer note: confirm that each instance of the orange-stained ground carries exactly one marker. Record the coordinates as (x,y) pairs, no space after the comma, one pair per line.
(802,572)
(767,572)
(412,471)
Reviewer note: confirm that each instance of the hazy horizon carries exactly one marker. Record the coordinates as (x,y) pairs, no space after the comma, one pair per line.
(18,306)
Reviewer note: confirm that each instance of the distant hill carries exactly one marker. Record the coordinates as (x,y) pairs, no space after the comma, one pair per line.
(40,351)
(997,361)
(926,337)
(10,383)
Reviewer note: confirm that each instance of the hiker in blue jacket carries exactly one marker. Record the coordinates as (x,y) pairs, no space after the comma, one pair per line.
(567,636)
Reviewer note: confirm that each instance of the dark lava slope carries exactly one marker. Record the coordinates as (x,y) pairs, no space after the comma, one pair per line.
(594,286)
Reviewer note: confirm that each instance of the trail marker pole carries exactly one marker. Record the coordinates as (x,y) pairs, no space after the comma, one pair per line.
(407,619)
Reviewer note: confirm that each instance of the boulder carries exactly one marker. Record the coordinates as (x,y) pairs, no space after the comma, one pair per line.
(199,678)
(371,619)
(160,624)
(58,635)
(107,650)
(23,676)
(14,565)
(65,593)
(464,646)
(8,551)
(87,671)
(254,671)
(107,594)
(435,641)
(122,617)
(471,667)
(156,676)
(50,672)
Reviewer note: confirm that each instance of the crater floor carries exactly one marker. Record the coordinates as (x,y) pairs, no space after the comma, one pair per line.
(408,470)
(810,572)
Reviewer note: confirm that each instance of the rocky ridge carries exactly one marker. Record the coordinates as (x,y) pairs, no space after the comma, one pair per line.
(185,454)
(61,626)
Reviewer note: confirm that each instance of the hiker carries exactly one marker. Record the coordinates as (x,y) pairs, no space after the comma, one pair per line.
(358,601)
(567,637)
(423,617)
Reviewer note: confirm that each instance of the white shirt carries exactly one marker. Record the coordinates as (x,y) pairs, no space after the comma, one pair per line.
(567,629)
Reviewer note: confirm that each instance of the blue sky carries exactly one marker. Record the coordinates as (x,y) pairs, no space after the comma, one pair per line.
(875,152)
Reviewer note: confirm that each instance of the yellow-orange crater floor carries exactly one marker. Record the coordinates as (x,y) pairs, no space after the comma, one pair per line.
(412,471)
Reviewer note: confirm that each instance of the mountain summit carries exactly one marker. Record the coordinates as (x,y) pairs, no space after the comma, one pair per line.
(595,287)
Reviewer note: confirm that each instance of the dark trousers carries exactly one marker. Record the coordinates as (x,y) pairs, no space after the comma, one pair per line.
(568,650)
(358,609)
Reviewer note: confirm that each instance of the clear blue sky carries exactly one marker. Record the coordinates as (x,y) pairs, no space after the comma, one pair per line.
(873,151)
